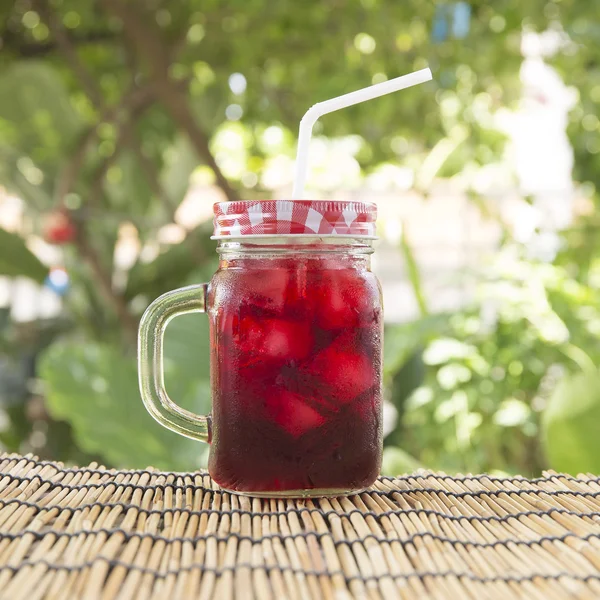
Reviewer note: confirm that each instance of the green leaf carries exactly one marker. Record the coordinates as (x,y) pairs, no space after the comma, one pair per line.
(173,268)
(127,187)
(512,413)
(398,462)
(95,388)
(16,175)
(35,104)
(187,352)
(180,162)
(570,425)
(414,275)
(402,340)
(17,260)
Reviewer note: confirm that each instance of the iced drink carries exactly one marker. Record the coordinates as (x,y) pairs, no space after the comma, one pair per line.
(295,373)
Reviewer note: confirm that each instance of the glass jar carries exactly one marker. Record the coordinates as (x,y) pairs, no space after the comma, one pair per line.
(295,338)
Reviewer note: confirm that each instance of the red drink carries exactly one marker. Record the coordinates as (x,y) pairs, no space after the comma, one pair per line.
(296,372)
(296,332)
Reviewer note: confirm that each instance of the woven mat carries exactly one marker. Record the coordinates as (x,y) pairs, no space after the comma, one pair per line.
(96,533)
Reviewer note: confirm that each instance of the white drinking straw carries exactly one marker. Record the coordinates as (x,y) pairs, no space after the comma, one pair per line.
(322,108)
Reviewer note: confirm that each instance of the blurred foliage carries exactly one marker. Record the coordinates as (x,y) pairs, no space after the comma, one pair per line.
(570,424)
(396,461)
(106,110)
(98,394)
(17,259)
(490,370)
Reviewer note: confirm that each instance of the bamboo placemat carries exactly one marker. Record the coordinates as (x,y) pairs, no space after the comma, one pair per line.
(97,533)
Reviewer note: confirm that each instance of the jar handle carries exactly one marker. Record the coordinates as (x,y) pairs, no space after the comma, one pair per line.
(150,361)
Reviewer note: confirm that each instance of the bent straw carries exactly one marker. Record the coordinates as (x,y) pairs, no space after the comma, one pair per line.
(328,106)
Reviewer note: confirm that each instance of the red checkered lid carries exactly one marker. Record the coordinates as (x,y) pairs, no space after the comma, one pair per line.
(322,218)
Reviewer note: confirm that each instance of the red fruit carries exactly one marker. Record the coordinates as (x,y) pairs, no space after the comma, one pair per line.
(58,229)
(273,339)
(344,371)
(291,412)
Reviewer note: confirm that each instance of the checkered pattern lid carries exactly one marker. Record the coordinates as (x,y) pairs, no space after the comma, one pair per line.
(323,218)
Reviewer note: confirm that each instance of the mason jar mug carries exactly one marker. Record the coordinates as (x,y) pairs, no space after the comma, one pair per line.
(296,331)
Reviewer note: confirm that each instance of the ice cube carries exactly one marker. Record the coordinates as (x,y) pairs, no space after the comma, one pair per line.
(265,289)
(343,298)
(274,339)
(228,322)
(292,412)
(342,369)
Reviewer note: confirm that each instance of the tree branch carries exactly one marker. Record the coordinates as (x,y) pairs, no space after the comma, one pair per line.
(93,91)
(123,137)
(126,132)
(14,43)
(136,101)
(91,88)
(87,251)
(147,39)
(103,279)
(149,170)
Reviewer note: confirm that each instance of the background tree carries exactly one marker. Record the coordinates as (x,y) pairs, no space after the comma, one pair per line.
(108,107)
